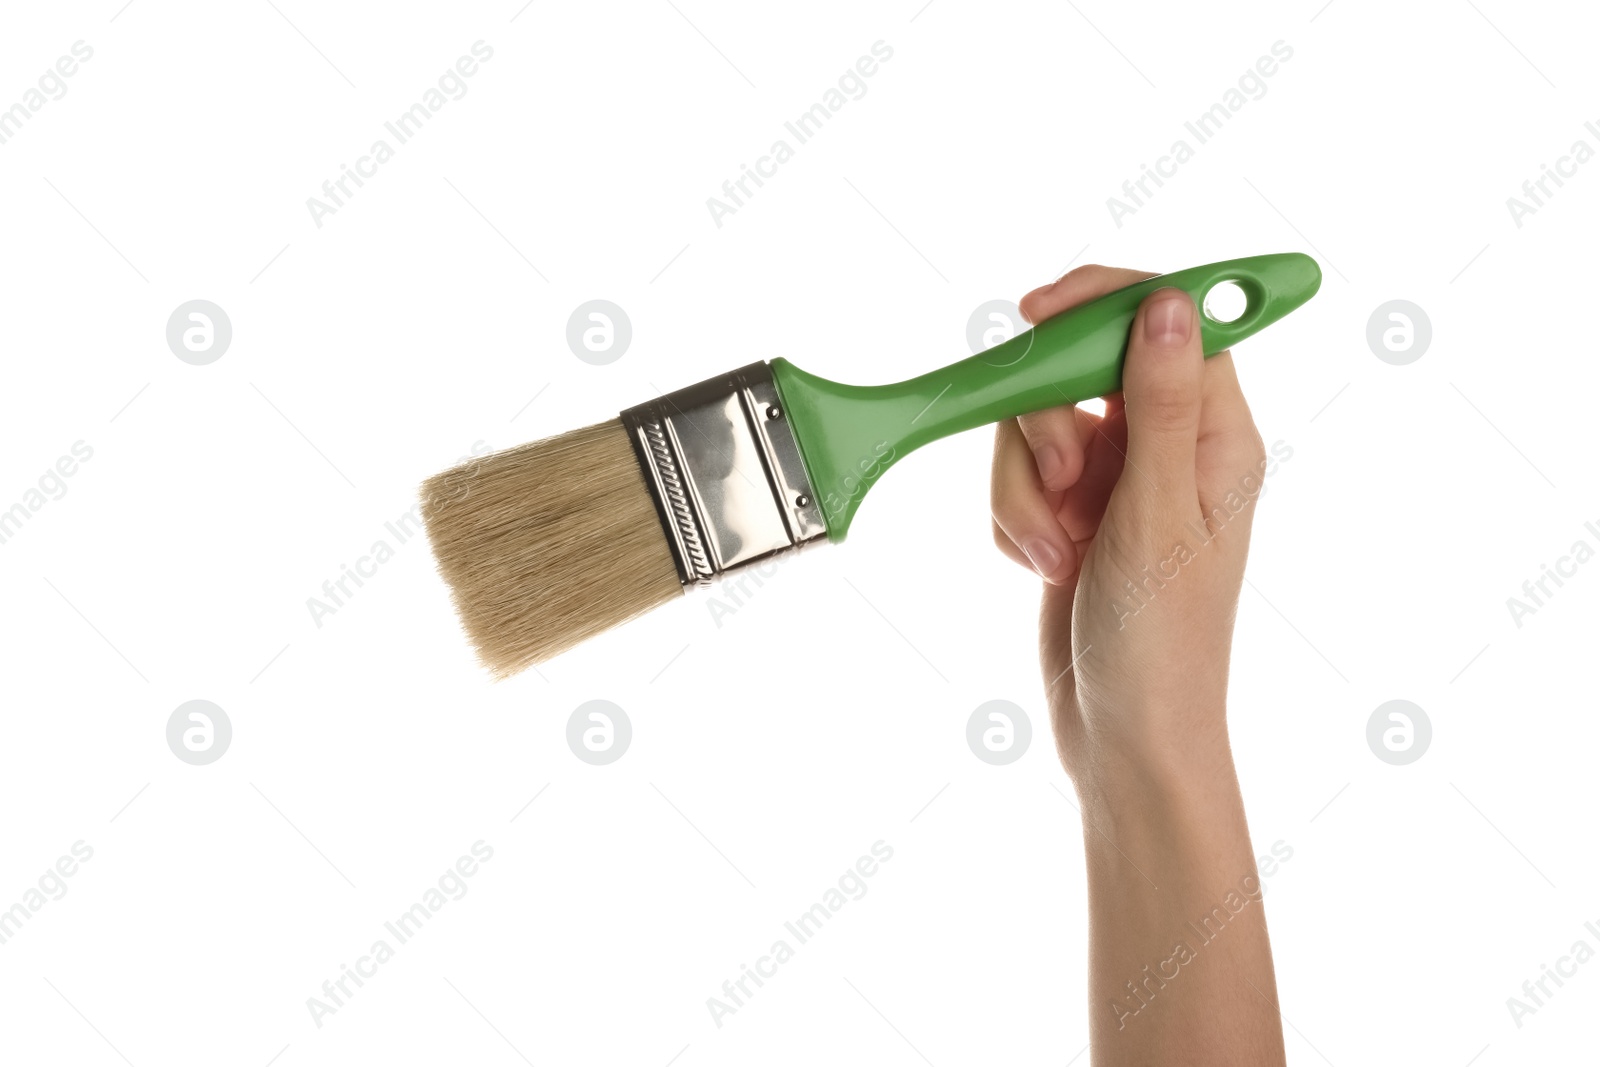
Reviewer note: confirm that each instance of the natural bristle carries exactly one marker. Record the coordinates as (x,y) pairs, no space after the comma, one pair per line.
(548,544)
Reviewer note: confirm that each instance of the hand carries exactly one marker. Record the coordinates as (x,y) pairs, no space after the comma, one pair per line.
(1138,521)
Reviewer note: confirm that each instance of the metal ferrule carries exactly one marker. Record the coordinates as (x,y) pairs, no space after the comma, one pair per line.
(724,469)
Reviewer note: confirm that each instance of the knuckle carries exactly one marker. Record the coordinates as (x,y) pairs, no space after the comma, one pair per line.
(1245,446)
(1032,305)
(1257,447)
(1032,425)
(1088,272)
(1053,426)
(1000,494)
(1008,513)
(1165,406)
(1001,541)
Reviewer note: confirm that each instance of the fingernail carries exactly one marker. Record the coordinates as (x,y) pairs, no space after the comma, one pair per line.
(1048,459)
(1168,320)
(1044,556)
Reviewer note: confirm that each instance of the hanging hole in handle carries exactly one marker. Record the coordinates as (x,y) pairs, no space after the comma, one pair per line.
(1226,302)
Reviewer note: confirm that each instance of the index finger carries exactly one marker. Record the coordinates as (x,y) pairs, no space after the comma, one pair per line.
(1059,437)
(1077,286)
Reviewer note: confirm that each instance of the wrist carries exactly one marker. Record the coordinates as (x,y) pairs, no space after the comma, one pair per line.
(1185,824)
(1158,766)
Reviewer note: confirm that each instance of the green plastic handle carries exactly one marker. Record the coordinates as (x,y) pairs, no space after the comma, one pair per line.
(850,434)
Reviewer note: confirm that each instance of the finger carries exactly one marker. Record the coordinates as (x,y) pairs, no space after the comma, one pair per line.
(1077,286)
(1084,504)
(1161,385)
(1226,425)
(1057,437)
(1229,452)
(1023,511)
(1009,549)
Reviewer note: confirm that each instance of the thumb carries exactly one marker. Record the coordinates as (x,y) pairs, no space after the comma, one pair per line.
(1161,384)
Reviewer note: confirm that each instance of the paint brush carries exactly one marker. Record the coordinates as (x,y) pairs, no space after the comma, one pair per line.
(553,542)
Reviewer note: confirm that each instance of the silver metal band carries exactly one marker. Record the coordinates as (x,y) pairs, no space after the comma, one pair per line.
(725,471)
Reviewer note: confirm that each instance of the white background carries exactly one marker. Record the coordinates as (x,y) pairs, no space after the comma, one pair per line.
(829,711)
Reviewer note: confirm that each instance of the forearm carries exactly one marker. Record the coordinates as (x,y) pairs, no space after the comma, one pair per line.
(1138,522)
(1180,968)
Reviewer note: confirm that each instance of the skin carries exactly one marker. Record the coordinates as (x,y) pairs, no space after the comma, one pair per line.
(1160,491)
